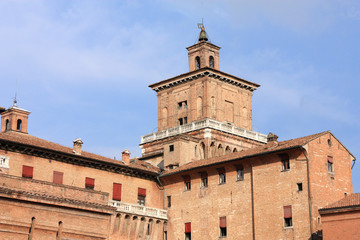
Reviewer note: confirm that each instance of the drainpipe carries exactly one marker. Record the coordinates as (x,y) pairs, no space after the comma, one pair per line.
(309,192)
(252,201)
(163,189)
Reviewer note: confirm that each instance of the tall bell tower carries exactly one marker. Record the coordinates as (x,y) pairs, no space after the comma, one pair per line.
(203,113)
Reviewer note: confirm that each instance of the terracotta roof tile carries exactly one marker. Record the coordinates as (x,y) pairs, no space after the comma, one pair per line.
(30,140)
(348,201)
(266,148)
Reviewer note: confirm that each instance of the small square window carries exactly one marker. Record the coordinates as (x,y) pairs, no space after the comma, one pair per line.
(27,171)
(89,183)
(300,187)
(171,148)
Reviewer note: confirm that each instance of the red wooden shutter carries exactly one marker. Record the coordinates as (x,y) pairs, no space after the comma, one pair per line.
(116,191)
(287,212)
(223,222)
(58,177)
(188,227)
(27,171)
(142,192)
(187,178)
(90,182)
(204,175)
(330,159)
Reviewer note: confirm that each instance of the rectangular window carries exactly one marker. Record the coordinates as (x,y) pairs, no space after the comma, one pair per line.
(89,183)
(287,216)
(223,232)
(187,182)
(183,121)
(188,231)
(58,177)
(330,164)
(222,176)
(239,173)
(168,201)
(182,105)
(141,196)
(285,161)
(204,179)
(116,191)
(300,187)
(171,148)
(27,171)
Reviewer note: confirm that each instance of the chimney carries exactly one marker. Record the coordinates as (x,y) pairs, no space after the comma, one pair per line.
(271,137)
(77,146)
(126,156)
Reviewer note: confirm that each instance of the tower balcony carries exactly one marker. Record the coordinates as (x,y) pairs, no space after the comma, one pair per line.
(202,124)
(139,210)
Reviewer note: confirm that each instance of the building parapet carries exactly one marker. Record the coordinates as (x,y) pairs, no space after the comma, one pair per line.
(201,124)
(138,209)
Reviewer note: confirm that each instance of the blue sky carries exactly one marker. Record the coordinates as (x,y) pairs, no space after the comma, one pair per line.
(83,67)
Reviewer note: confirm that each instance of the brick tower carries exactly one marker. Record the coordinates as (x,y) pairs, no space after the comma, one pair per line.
(202,113)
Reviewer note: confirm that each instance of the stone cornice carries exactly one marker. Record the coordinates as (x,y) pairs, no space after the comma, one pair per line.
(204,72)
(75,159)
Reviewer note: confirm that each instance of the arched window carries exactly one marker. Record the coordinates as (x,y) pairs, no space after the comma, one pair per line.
(227,150)
(212,149)
(235,150)
(197,62)
(7,124)
(211,61)
(19,124)
(202,145)
(220,150)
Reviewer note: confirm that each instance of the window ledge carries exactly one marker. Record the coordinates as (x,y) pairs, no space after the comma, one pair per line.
(239,180)
(285,170)
(291,227)
(205,187)
(222,183)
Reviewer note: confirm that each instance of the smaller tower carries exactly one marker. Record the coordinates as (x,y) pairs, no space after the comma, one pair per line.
(203,53)
(14,119)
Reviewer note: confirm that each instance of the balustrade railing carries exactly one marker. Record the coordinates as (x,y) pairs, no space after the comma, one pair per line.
(138,209)
(205,123)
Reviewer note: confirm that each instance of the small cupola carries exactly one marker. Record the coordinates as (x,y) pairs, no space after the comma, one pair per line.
(14,119)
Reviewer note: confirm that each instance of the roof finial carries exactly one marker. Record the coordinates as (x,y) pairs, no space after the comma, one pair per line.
(203,35)
(15,98)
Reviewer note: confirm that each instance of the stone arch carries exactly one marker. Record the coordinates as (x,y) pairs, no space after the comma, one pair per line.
(227,150)
(220,150)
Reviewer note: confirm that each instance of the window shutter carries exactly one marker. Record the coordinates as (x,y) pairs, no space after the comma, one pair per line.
(58,177)
(221,170)
(188,227)
(330,159)
(27,171)
(287,212)
(117,191)
(204,175)
(90,182)
(223,222)
(187,178)
(142,192)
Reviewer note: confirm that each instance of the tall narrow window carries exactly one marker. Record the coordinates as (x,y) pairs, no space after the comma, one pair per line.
(197,62)
(168,201)
(27,171)
(188,231)
(211,61)
(7,124)
(202,145)
(330,164)
(240,172)
(116,191)
(89,183)
(19,125)
(204,179)
(187,182)
(287,216)
(223,232)
(141,196)
(58,177)
(222,176)
(285,161)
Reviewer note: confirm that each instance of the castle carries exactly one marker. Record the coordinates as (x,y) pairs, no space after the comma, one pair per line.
(203,175)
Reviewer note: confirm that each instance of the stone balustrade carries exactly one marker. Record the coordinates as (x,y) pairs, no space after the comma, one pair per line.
(205,123)
(139,209)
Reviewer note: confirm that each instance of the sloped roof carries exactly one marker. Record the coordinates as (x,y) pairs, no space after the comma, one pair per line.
(252,152)
(349,201)
(29,140)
